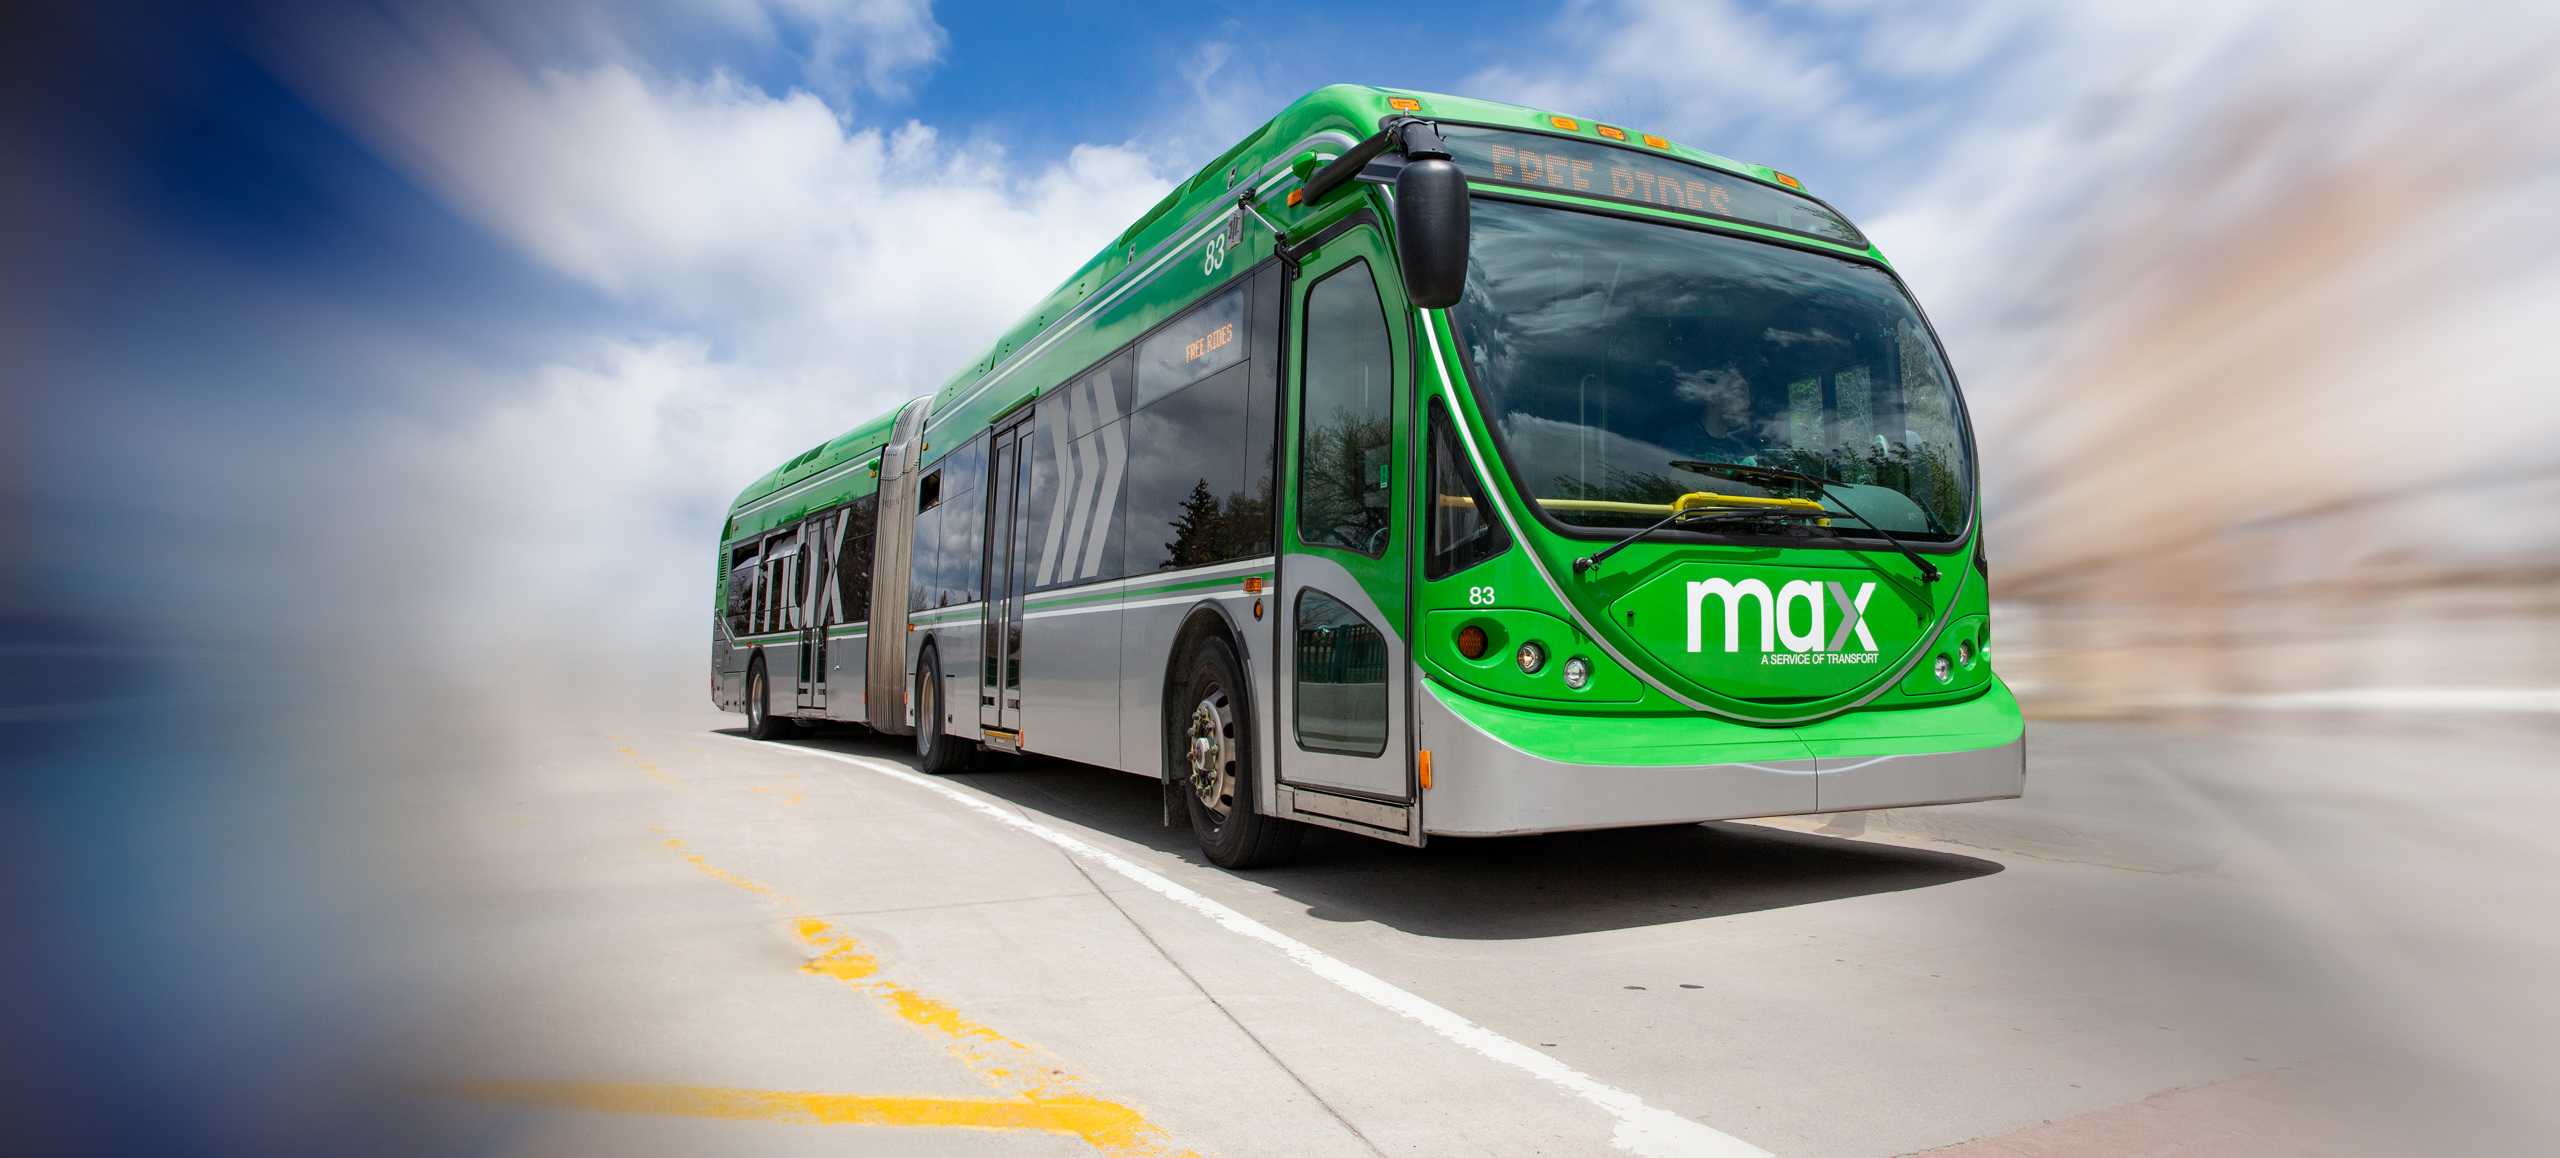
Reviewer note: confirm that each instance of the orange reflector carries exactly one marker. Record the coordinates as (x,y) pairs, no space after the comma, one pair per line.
(1656,142)
(1297,195)
(1404,104)
(1471,641)
(1791,182)
(1253,585)
(1422,764)
(1568,124)
(1612,132)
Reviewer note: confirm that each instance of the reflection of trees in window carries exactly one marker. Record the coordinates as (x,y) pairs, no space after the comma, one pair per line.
(1621,485)
(1346,396)
(1343,481)
(1211,530)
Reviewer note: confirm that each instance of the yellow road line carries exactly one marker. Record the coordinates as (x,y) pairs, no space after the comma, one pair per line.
(1086,1118)
(1036,1082)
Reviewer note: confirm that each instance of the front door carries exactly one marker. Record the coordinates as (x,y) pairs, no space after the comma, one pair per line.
(1008,579)
(1342,606)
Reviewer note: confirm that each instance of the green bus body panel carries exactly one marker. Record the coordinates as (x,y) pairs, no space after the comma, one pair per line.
(1568,737)
(1159,266)
(1987,720)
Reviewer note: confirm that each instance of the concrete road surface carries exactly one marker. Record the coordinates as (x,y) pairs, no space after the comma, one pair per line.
(2280,935)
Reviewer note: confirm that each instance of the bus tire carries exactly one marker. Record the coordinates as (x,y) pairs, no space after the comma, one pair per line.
(937,753)
(760,722)
(1211,751)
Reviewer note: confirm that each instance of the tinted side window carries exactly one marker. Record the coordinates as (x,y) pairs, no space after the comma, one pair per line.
(740,588)
(853,567)
(1347,402)
(959,564)
(1188,505)
(1462,530)
(923,579)
(1080,456)
(1342,678)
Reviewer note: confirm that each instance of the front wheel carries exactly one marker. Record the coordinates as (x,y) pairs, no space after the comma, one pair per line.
(760,722)
(1212,750)
(936,753)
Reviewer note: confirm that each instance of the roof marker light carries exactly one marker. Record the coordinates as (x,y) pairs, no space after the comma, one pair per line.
(1612,132)
(1568,124)
(1656,142)
(1404,104)
(1786,180)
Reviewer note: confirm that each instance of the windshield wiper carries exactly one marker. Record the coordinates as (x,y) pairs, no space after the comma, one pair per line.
(1822,486)
(1692,515)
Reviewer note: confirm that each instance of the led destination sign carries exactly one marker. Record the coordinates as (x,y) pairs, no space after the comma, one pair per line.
(1596,170)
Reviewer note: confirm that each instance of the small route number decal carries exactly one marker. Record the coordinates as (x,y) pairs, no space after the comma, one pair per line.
(1480,596)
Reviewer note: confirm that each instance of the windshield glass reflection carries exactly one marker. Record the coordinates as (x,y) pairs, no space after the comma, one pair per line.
(1617,359)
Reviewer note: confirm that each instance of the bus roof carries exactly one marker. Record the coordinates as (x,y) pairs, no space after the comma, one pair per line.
(1349,109)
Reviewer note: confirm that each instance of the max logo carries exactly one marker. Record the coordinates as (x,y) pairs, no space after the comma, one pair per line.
(1778,624)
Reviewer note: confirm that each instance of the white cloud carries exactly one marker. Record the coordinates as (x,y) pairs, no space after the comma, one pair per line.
(2201,264)
(788,275)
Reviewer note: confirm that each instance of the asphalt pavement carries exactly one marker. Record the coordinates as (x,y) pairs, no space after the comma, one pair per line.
(2289,934)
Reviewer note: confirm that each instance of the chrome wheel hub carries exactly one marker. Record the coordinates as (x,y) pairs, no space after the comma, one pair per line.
(1210,744)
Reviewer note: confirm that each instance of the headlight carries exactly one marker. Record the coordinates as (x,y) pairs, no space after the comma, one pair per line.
(1533,655)
(1946,669)
(1577,672)
(1964,653)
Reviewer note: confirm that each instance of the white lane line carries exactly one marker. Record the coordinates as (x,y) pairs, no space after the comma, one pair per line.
(1642,1129)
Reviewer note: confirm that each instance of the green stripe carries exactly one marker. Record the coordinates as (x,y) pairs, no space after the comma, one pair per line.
(1037,601)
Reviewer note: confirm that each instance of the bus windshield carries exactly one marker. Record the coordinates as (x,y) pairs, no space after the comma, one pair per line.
(1622,362)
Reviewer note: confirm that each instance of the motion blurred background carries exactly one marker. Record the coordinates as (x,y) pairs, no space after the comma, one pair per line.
(373,372)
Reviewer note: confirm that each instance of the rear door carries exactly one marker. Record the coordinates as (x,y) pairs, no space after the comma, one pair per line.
(1343,604)
(1008,579)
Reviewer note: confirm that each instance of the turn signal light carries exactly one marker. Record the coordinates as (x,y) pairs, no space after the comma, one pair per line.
(1471,641)
(1404,104)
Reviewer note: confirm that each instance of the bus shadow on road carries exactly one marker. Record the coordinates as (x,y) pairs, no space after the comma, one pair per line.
(1491,888)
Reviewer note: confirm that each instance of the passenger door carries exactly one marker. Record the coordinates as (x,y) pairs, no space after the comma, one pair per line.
(813,575)
(1008,573)
(1342,606)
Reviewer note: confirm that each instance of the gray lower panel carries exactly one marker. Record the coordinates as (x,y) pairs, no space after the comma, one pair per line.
(955,647)
(1850,785)
(847,677)
(1071,684)
(1485,787)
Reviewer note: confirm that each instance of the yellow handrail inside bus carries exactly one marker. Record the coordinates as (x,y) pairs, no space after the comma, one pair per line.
(1691,501)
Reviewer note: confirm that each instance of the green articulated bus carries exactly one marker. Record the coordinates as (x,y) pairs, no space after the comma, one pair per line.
(1421,466)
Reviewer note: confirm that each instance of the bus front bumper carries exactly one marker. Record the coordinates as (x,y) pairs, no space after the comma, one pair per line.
(1498,771)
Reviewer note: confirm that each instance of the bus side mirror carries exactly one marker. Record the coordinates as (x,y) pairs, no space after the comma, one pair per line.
(1431,231)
